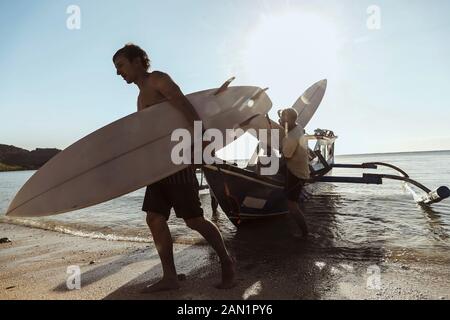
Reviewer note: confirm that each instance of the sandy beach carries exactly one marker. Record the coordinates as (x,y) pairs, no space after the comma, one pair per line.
(34,266)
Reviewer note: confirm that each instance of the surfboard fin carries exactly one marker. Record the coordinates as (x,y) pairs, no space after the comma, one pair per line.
(258,94)
(224,86)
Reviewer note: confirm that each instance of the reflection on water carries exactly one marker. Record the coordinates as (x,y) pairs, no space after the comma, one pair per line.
(346,220)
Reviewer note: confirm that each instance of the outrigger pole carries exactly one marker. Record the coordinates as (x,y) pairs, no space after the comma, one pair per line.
(431,196)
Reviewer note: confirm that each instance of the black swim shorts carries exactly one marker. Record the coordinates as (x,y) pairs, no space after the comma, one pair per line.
(178,191)
(293,186)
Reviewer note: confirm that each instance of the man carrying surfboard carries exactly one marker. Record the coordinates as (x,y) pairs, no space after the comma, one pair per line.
(178,191)
(295,151)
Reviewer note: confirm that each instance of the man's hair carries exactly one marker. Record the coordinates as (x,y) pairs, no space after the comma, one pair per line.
(131,52)
(291,112)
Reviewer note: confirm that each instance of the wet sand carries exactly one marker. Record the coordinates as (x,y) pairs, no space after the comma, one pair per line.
(34,266)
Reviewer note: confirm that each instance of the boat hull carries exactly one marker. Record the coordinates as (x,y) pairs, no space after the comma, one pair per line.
(244,195)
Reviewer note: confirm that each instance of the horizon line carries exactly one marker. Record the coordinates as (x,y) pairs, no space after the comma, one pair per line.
(347,154)
(392,152)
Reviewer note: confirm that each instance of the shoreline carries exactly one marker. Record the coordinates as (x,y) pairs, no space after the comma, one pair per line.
(34,266)
(4,168)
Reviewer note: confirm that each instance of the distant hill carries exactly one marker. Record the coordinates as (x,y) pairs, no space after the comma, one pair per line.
(13,158)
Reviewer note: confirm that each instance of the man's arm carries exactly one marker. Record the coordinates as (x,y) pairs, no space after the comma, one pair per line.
(172,92)
(310,137)
(289,146)
(281,135)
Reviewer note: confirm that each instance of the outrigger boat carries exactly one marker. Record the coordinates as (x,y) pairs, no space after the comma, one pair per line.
(244,194)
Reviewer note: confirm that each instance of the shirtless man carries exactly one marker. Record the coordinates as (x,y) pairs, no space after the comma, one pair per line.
(179,191)
(295,150)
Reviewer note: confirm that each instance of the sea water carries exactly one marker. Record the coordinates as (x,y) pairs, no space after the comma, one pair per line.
(345,220)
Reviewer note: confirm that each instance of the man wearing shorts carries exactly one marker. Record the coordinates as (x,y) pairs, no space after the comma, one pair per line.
(295,151)
(178,191)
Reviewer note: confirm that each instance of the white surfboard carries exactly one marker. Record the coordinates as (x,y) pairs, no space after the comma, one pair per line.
(309,101)
(129,154)
(305,106)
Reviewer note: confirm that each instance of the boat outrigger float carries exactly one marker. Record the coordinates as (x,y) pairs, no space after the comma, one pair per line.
(244,194)
(428,198)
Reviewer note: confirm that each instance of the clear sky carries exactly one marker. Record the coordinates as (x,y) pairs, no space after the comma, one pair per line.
(388,88)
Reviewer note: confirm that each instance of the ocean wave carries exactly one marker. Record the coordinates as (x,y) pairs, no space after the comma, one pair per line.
(94,232)
(72,230)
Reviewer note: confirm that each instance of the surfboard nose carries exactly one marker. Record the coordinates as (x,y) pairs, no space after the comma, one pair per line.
(10,210)
(323,83)
(13,206)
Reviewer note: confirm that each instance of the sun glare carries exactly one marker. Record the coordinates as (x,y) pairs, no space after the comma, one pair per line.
(288,52)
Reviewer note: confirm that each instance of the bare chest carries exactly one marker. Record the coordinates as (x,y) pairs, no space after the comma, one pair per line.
(148,98)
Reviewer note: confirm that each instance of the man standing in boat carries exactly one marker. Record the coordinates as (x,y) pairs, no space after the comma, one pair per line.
(295,150)
(180,190)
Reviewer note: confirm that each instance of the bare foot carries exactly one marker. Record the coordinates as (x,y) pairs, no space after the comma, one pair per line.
(162,285)
(228,275)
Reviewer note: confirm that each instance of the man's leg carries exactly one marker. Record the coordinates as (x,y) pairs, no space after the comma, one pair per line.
(211,233)
(299,217)
(164,245)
